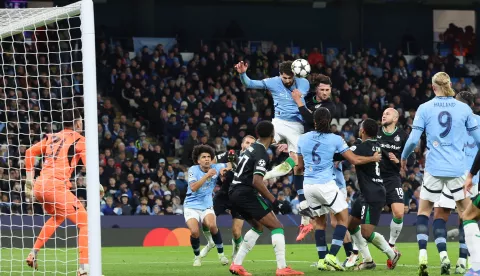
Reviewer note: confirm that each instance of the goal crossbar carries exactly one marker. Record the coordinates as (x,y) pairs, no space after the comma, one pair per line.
(15,21)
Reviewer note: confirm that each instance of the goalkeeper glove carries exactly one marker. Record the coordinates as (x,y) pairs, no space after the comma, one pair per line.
(29,190)
(280,207)
(232,158)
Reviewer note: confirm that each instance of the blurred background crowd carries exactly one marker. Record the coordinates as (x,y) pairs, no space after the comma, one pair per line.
(154,107)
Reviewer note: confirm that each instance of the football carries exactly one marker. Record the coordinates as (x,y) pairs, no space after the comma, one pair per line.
(301,68)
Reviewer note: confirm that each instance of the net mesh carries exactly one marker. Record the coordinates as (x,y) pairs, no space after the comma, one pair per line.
(40,76)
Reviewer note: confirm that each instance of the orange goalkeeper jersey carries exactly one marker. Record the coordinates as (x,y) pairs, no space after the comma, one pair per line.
(61,152)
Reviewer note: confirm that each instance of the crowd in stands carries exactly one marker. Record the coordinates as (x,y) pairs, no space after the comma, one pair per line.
(154,108)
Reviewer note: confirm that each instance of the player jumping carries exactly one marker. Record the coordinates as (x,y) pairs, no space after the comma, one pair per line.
(198,205)
(392,141)
(319,98)
(444,120)
(243,193)
(61,152)
(446,203)
(288,121)
(367,208)
(315,156)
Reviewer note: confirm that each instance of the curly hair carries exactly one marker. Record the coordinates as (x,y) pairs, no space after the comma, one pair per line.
(264,129)
(198,150)
(322,119)
(370,127)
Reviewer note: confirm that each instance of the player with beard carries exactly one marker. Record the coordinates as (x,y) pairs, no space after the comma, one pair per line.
(392,141)
(288,121)
(221,202)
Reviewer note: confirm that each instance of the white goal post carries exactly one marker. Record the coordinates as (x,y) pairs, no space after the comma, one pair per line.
(15,23)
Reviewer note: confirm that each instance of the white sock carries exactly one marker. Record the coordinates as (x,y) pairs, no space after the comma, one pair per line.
(362,245)
(396,226)
(443,254)
(422,254)
(281,169)
(248,243)
(208,236)
(305,220)
(354,246)
(278,242)
(472,239)
(379,241)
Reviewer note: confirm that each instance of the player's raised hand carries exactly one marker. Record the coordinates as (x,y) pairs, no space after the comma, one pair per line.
(296,95)
(377,157)
(211,172)
(393,158)
(241,67)
(282,148)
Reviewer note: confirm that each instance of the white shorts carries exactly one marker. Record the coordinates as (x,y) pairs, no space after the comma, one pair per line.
(197,214)
(446,200)
(325,198)
(288,131)
(433,186)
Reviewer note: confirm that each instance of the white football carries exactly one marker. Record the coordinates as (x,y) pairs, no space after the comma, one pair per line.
(301,68)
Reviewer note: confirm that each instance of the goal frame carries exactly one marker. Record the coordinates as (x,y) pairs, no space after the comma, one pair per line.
(45,16)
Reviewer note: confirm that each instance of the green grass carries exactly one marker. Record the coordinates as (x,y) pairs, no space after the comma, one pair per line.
(178,261)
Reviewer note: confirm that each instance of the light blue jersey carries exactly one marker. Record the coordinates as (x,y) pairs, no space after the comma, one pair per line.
(202,198)
(285,107)
(339,178)
(317,150)
(444,121)
(471,150)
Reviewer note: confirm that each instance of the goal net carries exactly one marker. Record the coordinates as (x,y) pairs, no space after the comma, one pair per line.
(47,65)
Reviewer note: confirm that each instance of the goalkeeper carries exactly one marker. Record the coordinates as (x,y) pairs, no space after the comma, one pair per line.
(61,152)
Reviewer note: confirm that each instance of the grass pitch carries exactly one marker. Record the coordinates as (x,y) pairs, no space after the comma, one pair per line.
(145,261)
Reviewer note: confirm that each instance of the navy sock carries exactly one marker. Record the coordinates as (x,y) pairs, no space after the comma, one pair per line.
(298,184)
(195,245)
(337,241)
(440,234)
(321,242)
(422,231)
(463,253)
(217,239)
(348,248)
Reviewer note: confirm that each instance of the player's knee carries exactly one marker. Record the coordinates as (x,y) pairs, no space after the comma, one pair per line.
(195,233)
(213,229)
(366,233)
(236,232)
(398,212)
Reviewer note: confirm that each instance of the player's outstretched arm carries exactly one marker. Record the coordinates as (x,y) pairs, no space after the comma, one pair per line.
(473,128)
(30,154)
(241,68)
(411,143)
(360,160)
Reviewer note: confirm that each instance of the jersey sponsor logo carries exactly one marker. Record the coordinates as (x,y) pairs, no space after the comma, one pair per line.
(397,138)
(388,146)
(379,180)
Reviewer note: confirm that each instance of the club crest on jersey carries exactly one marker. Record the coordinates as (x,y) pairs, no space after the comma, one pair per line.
(435,144)
(397,138)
